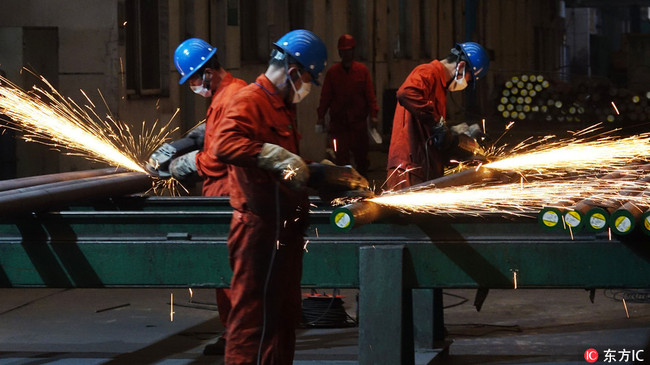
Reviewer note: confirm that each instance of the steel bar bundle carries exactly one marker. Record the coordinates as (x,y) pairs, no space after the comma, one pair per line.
(598,216)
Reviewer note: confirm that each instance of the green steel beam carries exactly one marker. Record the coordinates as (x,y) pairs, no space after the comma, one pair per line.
(328,263)
(181,242)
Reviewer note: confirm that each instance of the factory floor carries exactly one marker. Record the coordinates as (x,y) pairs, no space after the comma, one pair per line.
(133,326)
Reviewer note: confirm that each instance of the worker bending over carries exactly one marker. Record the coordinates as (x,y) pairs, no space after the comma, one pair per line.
(421,142)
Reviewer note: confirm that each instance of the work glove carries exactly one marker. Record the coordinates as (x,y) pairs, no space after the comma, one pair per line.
(198,135)
(320,126)
(466,146)
(158,163)
(288,167)
(441,136)
(183,168)
(475,131)
(332,181)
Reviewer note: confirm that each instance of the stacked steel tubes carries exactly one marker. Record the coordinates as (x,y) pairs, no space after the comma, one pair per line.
(46,192)
(621,219)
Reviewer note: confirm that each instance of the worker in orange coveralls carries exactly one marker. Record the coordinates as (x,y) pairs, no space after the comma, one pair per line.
(198,65)
(418,143)
(259,139)
(349,95)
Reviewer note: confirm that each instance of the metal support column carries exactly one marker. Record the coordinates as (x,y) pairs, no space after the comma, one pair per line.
(428,319)
(385,304)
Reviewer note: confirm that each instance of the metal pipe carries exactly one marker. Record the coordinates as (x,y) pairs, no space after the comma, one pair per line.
(465,177)
(590,215)
(51,178)
(59,194)
(622,218)
(365,211)
(357,214)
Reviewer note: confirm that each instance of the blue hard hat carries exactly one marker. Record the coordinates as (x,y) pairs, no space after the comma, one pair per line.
(191,55)
(476,57)
(307,49)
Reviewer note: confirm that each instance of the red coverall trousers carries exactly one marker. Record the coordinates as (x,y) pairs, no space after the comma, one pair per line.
(277,267)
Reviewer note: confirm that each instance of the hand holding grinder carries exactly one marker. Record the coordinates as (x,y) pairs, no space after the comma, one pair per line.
(161,159)
(329,180)
(460,142)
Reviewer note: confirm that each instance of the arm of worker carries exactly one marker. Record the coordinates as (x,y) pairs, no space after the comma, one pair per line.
(159,161)
(372,101)
(412,96)
(324,105)
(287,166)
(237,145)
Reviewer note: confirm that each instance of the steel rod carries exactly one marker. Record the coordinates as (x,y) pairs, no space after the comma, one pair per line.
(24,182)
(54,195)
(363,212)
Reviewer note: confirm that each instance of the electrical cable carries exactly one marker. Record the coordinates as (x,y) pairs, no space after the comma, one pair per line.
(268,273)
(630,295)
(462,301)
(426,153)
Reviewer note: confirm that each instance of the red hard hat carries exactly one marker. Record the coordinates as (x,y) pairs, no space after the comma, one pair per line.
(346,41)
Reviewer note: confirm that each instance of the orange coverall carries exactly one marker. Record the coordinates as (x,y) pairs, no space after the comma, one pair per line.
(422,100)
(265,242)
(350,98)
(213,171)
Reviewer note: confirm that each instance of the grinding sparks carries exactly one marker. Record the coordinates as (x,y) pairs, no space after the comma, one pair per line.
(595,155)
(171,307)
(510,198)
(49,118)
(289,173)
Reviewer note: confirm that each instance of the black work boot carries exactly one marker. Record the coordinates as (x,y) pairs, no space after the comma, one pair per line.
(217,348)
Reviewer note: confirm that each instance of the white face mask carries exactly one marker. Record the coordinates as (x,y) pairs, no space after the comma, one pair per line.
(458,84)
(300,94)
(201,89)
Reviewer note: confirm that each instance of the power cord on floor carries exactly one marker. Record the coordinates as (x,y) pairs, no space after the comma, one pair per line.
(325,311)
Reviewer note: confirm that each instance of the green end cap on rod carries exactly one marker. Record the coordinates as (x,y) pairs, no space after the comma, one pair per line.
(622,222)
(342,219)
(550,218)
(596,219)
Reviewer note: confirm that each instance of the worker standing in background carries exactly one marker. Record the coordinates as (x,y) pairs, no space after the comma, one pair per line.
(420,143)
(198,64)
(259,140)
(349,95)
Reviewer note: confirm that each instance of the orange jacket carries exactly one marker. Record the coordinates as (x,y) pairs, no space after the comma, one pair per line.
(349,96)
(213,171)
(422,100)
(257,115)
